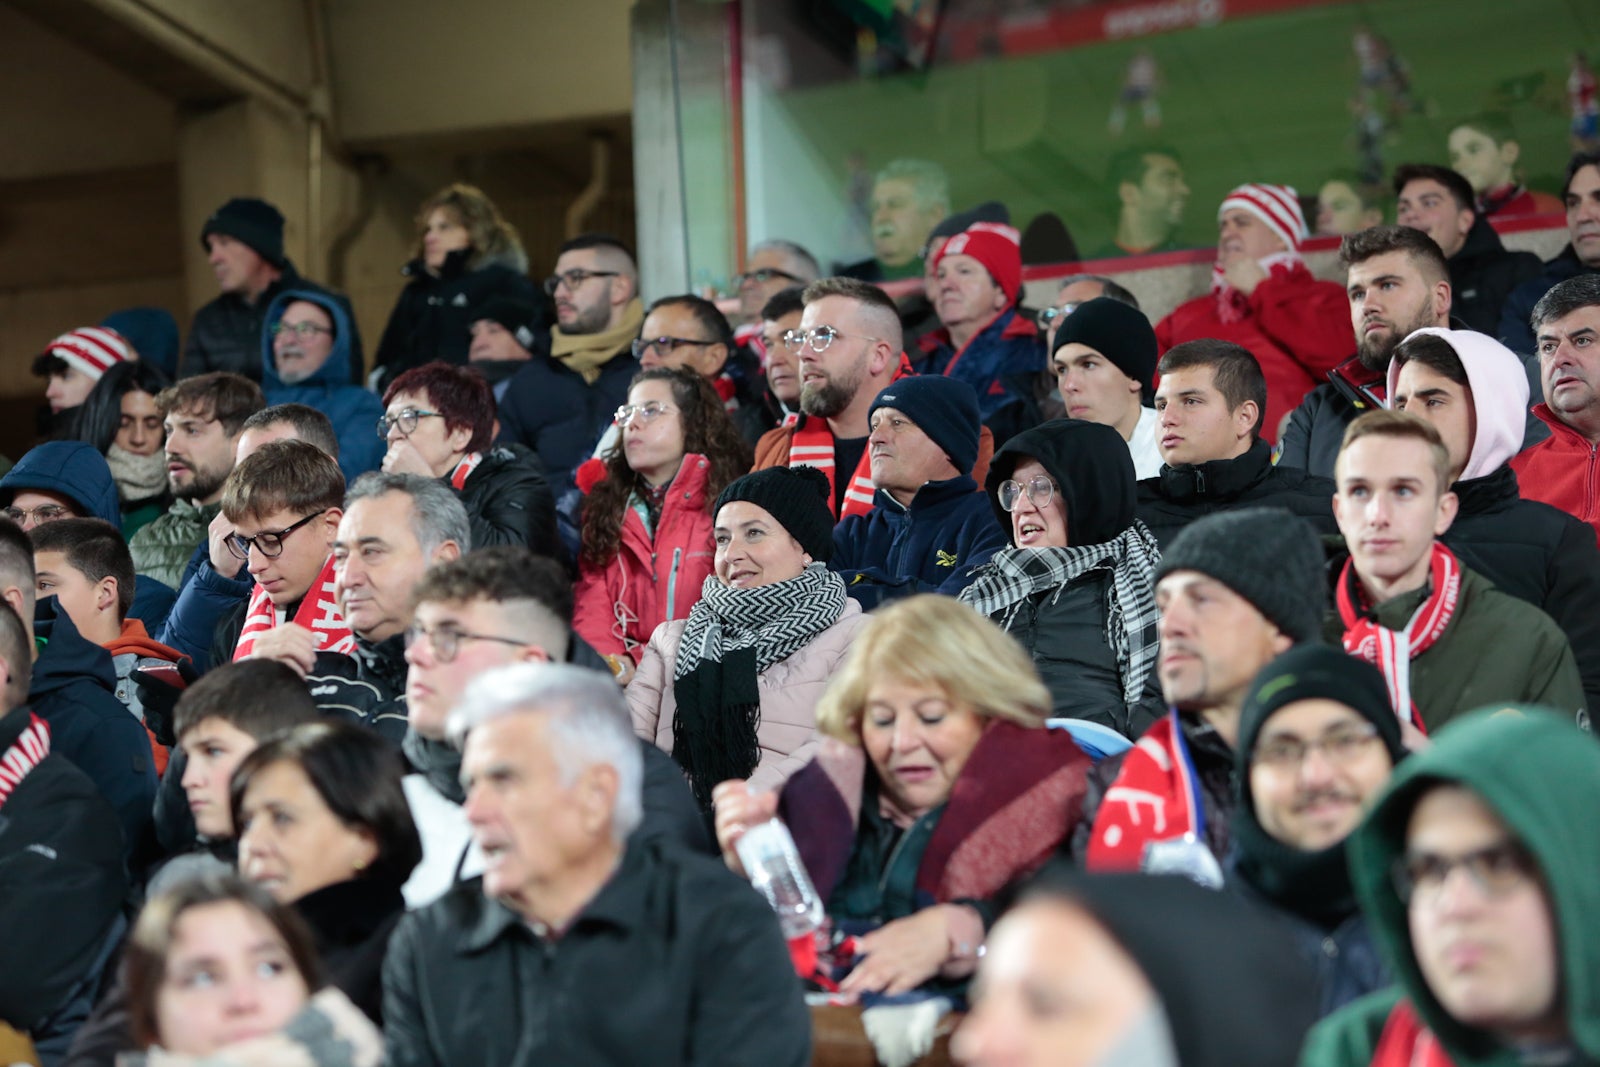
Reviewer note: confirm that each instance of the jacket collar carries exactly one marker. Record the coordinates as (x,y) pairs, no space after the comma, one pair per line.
(620,903)
(1559,430)
(1218,479)
(1489,493)
(438,762)
(385,660)
(347,913)
(932,494)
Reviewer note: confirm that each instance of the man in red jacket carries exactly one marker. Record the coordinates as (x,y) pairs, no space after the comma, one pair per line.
(1565,469)
(1263,297)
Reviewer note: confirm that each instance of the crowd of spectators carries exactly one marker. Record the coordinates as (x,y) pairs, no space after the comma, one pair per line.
(1207,691)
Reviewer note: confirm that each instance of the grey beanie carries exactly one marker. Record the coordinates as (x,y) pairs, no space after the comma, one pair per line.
(1269,556)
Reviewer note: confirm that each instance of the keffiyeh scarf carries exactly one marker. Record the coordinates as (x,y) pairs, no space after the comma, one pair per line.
(731,636)
(1013,575)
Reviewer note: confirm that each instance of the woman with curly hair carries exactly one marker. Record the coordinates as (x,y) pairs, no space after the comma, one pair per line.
(646,527)
(466,254)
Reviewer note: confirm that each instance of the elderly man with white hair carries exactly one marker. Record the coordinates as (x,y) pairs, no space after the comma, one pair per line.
(581,943)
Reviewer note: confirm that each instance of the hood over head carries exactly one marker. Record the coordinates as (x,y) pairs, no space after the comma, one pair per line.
(72,469)
(1092,465)
(1541,775)
(1499,385)
(336,370)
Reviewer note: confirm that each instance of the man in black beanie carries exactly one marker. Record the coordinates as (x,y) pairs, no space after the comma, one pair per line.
(507,334)
(929,527)
(1104,362)
(243,240)
(1235,591)
(1318,740)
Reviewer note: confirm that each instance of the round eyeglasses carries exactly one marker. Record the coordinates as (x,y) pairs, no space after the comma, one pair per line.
(1039,489)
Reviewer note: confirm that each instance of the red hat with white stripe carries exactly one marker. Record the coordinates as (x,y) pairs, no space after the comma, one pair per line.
(92,350)
(994,244)
(1278,206)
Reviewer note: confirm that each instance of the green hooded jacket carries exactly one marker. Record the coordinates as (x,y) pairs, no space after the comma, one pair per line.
(1541,775)
(162,547)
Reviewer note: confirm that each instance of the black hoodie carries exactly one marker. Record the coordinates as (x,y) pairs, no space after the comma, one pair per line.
(1482,275)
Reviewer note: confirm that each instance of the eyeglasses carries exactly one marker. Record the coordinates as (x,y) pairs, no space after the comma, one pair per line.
(1340,745)
(574,278)
(301,330)
(1040,490)
(649,412)
(1495,871)
(664,345)
(446,640)
(406,419)
(42,513)
(765,275)
(819,338)
(1049,315)
(269,544)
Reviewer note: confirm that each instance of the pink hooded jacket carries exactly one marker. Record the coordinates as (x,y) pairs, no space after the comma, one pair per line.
(1499,396)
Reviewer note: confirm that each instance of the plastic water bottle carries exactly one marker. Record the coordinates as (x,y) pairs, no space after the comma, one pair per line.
(773,864)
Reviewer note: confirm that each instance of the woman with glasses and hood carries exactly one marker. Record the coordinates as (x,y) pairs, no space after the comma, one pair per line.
(1077,585)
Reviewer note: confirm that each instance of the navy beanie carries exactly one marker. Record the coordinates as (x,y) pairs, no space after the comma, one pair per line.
(255,222)
(943,408)
(1118,332)
(798,497)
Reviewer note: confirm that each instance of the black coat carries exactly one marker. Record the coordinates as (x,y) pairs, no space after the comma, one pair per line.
(675,961)
(1180,495)
(550,408)
(367,687)
(1483,273)
(351,923)
(1516,327)
(509,501)
(433,317)
(226,333)
(62,886)
(1535,553)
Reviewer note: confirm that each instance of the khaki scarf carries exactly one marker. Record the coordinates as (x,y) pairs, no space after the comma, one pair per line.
(586,352)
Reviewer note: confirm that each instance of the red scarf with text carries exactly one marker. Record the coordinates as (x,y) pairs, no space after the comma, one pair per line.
(318,612)
(1152,799)
(1405,1042)
(1392,651)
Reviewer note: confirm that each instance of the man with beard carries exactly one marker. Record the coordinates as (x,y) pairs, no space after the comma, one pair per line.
(1399,283)
(560,406)
(851,349)
(204,417)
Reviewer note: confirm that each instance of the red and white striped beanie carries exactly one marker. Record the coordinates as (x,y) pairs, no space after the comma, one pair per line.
(1278,206)
(92,350)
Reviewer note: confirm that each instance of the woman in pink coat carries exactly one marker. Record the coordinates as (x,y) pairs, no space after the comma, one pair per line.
(731,692)
(646,547)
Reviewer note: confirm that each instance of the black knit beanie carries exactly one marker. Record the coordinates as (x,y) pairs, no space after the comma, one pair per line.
(255,222)
(1118,332)
(797,497)
(520,318)
(1269,556)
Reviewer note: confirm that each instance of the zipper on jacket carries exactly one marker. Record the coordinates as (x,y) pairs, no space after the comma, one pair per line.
(1588,485)
(672,584)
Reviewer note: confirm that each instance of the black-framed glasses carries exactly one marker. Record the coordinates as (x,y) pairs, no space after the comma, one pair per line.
(269,542)
(1495,871)
(648,412)
(819,338)
(1039,489)
(406,419)
(1340,746)
(765,275)
(446,640)
(301,330)
(42,513)
(665,346)
(574,278)
(1050,315)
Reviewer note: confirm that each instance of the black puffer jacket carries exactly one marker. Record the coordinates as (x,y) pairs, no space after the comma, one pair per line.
(1180,495)
(1483,274)
(509,502)
(226,333)
(1535,553)
(434,315)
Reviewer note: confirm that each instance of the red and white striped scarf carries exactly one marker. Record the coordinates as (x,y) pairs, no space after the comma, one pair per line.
(812,446)
(1392,651)
(26,752)
(318,612)
(464,469)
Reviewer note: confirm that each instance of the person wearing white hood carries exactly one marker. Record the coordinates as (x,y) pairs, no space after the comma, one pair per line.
(1472,389)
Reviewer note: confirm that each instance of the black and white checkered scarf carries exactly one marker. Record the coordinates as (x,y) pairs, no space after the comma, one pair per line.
(1013,575)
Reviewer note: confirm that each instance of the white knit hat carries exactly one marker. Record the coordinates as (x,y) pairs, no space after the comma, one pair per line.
(93,350)
(1278,206)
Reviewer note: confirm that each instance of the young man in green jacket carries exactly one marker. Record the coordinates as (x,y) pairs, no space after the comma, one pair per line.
(1445,639)
(1477,873)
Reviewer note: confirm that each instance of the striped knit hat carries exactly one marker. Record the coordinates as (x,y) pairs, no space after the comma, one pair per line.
(93,350)
(994,244)
(1278,206)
